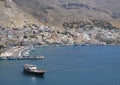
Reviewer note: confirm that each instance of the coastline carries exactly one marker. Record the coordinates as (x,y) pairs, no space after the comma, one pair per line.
(18,52)
(39,46)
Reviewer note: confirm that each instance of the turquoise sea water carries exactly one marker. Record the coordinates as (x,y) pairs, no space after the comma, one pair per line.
(83,65)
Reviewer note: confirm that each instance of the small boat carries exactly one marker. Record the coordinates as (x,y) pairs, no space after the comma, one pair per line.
(39,57)
(32,69)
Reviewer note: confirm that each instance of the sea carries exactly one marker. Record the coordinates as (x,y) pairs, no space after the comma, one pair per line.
(66,65)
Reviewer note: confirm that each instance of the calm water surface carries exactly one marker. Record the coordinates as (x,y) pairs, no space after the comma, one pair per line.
(83,65)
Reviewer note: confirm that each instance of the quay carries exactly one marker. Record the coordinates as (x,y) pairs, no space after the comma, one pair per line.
(19,53)
(22,58)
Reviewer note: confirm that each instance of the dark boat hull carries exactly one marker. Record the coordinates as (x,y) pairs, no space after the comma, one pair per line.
(34,73)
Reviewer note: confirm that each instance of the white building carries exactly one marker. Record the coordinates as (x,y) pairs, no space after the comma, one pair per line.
(8,0)
(86,36)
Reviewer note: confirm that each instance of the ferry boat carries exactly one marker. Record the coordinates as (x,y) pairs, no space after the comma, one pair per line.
(32,69)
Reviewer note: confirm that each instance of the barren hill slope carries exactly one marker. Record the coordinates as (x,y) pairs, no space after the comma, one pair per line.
(55,12)
(12,16)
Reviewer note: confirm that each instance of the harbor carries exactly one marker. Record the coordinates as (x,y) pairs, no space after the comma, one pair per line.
(81,65)
(19,53)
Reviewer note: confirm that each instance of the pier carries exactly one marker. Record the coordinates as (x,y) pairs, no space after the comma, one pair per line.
(19,53)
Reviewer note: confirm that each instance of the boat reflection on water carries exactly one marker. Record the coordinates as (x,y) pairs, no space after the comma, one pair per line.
(33,76)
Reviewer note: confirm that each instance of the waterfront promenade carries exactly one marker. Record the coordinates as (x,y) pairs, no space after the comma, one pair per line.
(15,52)
(19,53)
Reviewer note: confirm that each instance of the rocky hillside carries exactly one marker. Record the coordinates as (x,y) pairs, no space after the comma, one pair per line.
(79,22)
(12,16)
(56,12)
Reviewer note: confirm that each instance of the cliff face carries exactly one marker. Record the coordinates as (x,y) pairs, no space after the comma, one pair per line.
(56,12)
(12,16)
